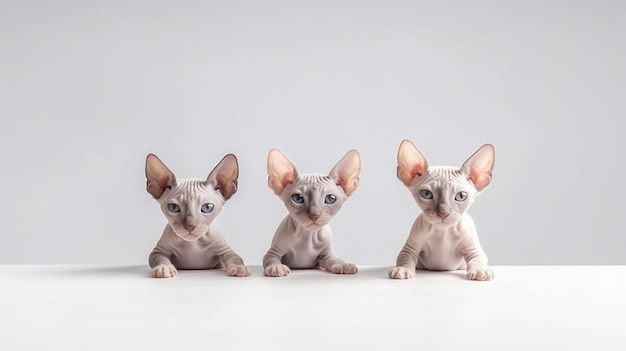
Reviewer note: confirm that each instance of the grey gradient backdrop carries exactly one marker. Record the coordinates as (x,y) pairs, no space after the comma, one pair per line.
(87,89)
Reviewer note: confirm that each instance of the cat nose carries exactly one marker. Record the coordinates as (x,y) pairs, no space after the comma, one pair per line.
(314,217)
(443,210)
(190,227)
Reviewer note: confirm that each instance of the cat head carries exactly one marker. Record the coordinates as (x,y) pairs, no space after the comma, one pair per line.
(190,205)
(313,199)
(444,193)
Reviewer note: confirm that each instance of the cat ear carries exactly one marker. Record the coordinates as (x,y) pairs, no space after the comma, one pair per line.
(280,171)
(158,177)
(346,172)
(224,176)
(479,166)
(411,162)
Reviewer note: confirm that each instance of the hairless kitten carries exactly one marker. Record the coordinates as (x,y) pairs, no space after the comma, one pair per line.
(304,239)
(443,236)
(191,239)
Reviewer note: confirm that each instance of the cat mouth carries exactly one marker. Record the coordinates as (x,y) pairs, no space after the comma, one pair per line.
(190,237)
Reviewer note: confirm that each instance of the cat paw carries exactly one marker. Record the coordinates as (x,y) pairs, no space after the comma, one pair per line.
(238,271)
(479,274)
(164,271)
(276,270)
(346,268)
(401,273)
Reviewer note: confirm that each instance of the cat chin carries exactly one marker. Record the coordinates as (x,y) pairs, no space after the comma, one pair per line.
(441,224)
(189,237)
(312,226)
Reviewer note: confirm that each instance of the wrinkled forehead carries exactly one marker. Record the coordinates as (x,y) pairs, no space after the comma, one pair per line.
(444,176)
(312,182)
(189,189)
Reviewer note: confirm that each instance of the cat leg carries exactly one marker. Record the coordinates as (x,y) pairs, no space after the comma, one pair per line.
(272,264)
(407,260)
(232,263)
(161,265)
(406,263)
(159,258)
(480,274)
(235,267)
(272,261)
(476,260)
(281,244)
(237,270)
(331,263)
(338,266)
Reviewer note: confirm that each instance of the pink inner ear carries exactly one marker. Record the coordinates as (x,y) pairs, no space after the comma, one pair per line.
(479,178)
(479,166)
(417,172)
(227,188)
(288,179)
(157,187)
(224,176)
(411,162)
(278,182)
(346,172)
(159,177)
(407,173)
(349,185)
(280,171)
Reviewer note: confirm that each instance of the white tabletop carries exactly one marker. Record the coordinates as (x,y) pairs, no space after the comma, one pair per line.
(122,308)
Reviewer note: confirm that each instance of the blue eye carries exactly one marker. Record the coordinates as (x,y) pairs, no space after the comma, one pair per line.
(297,198)
(330,199)
(206,208)
(426,194)
(173,208)
(461,196)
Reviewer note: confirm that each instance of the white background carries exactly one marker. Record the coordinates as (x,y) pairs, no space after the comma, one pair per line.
(87,89)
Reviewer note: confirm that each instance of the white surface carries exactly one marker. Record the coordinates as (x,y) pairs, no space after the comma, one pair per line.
(88,88)
(121,308)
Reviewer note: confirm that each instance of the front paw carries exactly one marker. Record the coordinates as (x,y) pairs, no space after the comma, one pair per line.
(164,271)
(276,270)
(401,273)
(346,268)
(238,271)
(480,274)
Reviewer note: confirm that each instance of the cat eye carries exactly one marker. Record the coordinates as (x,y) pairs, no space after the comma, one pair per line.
(206,208)
(297,198)
(173,208)
(330,199)
(426,194)
(460,196)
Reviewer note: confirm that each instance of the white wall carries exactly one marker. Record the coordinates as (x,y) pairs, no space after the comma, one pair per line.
(87,89)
